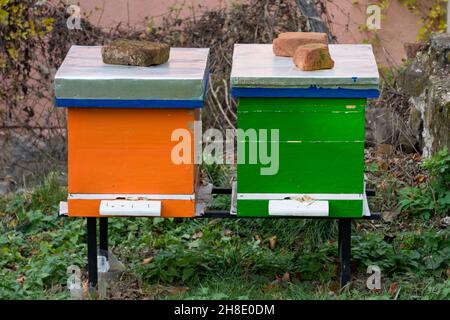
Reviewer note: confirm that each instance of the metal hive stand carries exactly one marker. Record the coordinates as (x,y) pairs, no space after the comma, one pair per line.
(344,236)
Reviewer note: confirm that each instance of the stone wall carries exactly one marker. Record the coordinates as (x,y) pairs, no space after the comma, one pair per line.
(427,81)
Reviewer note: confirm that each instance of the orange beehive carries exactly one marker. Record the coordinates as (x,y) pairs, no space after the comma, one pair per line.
(120,125)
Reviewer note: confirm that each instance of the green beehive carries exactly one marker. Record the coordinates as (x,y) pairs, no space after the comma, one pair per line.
(319,116)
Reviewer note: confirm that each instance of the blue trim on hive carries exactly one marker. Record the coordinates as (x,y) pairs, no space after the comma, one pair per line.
(129,104)
(311,92)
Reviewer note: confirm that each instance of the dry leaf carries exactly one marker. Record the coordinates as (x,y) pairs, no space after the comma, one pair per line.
(21,279)
(383,165)
(147,260)
(227,232)
(269,287)
(177,290)
(303,199)
(286,277)
(388,216)
(393,288)
(420,178)
(197,235)
(335,287)
(384,149)
(85,284)
(272,242)
(417,157)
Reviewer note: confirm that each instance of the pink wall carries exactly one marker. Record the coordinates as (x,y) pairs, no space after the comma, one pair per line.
(398,27)
(107,13)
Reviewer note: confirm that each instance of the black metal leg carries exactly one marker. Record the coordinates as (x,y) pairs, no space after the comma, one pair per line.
(104,237)
(344,243)
(339,239)
(92,252)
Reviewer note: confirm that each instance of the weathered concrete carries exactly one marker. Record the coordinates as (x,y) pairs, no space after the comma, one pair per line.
(135,53)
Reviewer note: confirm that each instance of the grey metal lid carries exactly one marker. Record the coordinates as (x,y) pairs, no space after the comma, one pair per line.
(255,66)
(84,76)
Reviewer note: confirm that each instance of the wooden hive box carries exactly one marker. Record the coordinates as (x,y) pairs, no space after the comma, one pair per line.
(320,120)
(120,122)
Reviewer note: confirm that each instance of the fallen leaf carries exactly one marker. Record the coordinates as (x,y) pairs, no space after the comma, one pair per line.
(334,287)
(197,235)
(272,242)
(384,149)
(227,232)
(269,287)
(286,277)
(393,288)
(303,199)
(21,279)
(12,223)
(417,157)
(420,178)
(85,284)
(383,165)
(177,290)
(388,216)
(147,260)
(278,279)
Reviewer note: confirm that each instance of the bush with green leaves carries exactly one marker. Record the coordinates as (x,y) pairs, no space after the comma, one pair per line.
(37,246)
(431,197)
(423,253)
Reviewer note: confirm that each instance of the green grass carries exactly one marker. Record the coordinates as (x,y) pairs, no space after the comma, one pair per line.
(216,258)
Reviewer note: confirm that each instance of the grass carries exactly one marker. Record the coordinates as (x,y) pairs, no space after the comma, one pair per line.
(218,259)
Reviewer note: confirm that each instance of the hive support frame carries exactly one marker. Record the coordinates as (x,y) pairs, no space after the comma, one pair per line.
(344,250)
(344,239)
(104,237)
(92,252)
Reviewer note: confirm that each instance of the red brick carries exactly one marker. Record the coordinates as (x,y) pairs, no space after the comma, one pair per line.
(287,42)
(313,56)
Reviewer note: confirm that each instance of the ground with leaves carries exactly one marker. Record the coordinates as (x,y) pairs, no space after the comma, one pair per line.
(241,258)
